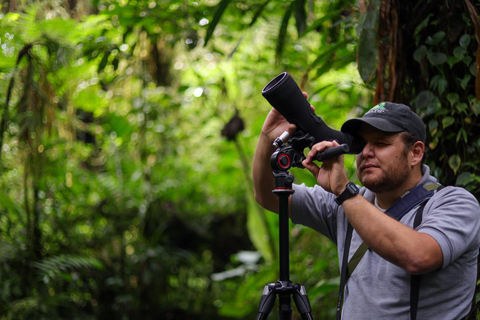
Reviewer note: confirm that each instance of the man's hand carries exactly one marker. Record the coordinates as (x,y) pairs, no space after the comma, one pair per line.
(275,124)
(331,176)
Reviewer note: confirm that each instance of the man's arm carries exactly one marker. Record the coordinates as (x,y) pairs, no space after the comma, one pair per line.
(413,251)
(263,181)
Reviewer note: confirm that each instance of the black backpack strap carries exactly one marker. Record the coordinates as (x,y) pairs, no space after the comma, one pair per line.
(415,279)
(344,272)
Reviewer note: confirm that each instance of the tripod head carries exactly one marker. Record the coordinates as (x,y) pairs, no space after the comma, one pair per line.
(290,153)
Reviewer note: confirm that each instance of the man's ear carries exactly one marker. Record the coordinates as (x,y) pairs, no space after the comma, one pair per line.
(417,150)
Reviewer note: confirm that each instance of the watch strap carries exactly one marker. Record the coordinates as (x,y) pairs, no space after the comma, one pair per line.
(351,189)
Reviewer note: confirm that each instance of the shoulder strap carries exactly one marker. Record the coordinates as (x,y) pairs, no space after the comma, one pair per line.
(415,279)
(409,201)
(344,271)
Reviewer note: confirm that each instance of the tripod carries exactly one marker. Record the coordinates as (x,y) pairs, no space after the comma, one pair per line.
(284,288)
(285,157)
(282,159)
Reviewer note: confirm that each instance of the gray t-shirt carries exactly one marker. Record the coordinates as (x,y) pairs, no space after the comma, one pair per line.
(378,289)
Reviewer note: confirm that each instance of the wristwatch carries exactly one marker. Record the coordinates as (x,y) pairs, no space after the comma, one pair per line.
(349,191)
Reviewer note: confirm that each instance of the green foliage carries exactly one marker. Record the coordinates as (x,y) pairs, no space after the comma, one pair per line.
(447,59)
(120,198)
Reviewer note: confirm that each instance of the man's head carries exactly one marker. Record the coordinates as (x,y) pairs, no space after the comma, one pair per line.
(395,141)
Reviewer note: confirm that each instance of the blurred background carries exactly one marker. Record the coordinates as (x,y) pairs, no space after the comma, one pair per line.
(128,130)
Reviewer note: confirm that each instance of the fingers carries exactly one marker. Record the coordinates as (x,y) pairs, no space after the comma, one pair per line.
(317,148)
(306,97)
(312,167)
(275,124)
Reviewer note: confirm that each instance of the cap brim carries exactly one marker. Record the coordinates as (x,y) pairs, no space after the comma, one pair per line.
(353,125)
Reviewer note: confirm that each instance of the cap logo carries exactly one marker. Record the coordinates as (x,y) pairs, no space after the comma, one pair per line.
(379,108)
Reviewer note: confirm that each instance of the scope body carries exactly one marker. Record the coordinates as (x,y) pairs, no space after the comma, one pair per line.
(283,93)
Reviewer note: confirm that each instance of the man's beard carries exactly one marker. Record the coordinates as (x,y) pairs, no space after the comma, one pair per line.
(390,179)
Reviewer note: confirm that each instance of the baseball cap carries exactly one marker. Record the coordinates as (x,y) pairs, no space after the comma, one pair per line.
(389,117)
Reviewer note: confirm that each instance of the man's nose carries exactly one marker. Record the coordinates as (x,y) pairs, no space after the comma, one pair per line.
(368,150)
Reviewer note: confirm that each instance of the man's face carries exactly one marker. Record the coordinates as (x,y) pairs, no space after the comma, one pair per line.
(383,164)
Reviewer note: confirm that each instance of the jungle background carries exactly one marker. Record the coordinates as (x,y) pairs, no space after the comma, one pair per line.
(128,130)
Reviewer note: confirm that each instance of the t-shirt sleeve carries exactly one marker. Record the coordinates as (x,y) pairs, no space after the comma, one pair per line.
(315,208)
(452,218)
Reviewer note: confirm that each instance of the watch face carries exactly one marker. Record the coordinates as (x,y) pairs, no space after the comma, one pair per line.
(352,188)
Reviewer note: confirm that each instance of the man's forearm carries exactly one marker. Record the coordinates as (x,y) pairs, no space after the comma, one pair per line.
(263,180)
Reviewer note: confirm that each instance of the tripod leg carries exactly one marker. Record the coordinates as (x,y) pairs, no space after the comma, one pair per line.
(285,307)
(301,302)
(267,301)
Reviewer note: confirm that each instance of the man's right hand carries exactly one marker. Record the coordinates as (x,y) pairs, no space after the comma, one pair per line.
(275,124)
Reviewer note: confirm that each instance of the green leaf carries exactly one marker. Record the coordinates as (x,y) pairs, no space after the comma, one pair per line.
(465,41)
(437,38)
(473,69)
(454,162)
(467,60)
(464,178)
(258,13)
(216,19)
(428,102)
(315,25)
(367,43)
(462,107)
(282,32)
(462,134)
(436,58)
(451,60)
(475,106)
(439,83)
(464,81)
(328,56)
(433,144)
(300,16)
(420,53)
(459,52)
(452,97)
(103,62)
(448,121)
(433,125)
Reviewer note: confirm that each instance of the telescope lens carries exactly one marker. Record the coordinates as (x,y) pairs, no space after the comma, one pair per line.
(274,82)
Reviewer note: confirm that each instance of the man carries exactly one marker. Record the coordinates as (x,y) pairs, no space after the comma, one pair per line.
(443,249)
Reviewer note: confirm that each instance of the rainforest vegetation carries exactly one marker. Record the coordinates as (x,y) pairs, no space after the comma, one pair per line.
(127,132)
